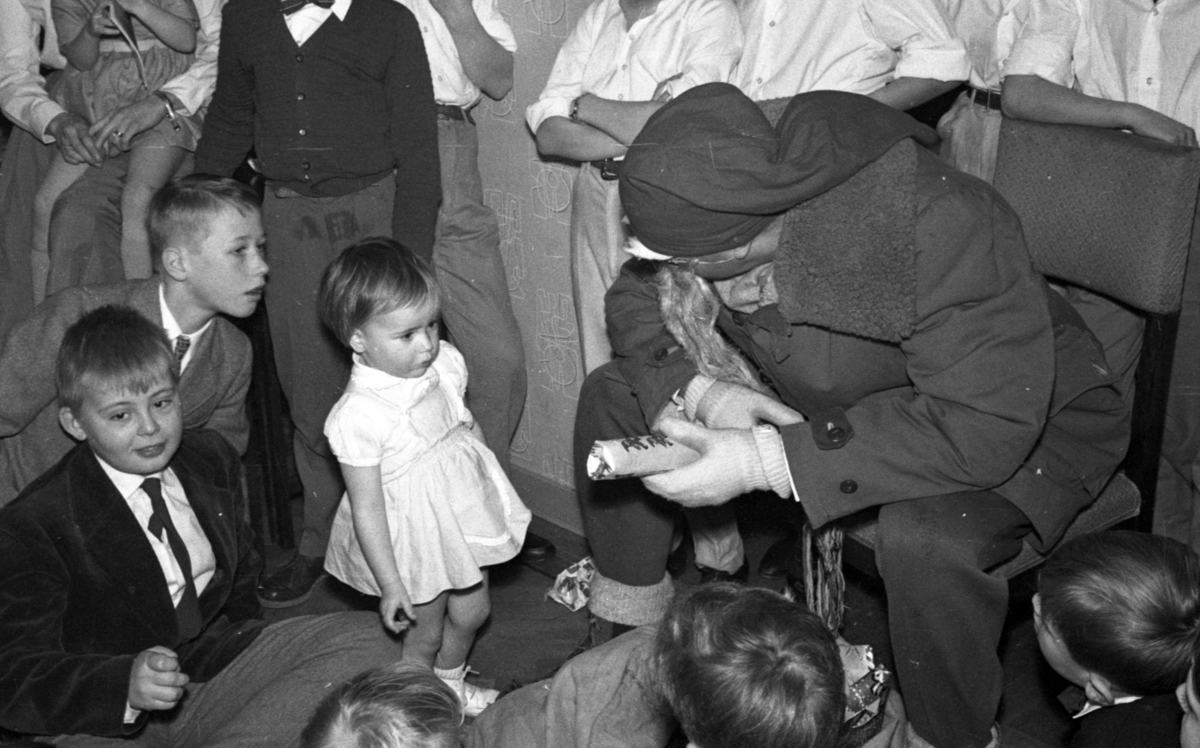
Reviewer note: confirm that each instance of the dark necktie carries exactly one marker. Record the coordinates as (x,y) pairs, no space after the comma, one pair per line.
(291,6)
(188,610)
(182,343)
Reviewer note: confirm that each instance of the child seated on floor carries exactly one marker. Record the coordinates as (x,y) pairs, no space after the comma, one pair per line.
(1117,614)
(731,666)
(403,705)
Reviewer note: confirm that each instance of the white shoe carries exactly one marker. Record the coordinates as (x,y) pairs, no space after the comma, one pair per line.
(474,698)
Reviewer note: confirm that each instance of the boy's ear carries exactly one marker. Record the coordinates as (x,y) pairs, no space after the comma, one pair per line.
(70,424)
(1100,691)
(357,343)
(174,265)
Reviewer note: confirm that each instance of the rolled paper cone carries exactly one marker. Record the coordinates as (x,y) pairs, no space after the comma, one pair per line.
(637,456)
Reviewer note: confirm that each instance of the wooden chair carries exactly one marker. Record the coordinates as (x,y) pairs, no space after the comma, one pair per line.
(1116,214)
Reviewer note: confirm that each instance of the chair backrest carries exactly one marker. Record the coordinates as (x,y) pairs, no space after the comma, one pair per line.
(1116,214)
(1102,209)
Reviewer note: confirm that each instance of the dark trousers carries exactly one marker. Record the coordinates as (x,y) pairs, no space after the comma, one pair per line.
(945,612)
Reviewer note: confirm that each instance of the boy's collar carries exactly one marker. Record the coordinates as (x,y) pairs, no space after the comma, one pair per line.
(169,323)
(127,483)
(1077,703)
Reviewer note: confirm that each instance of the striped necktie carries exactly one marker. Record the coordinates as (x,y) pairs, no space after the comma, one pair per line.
(182,343)
(187,613)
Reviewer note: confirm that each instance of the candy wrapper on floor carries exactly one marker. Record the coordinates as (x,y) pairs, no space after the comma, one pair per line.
(636,456)
(573,586)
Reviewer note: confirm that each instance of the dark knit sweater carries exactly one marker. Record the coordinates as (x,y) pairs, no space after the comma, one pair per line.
(333,116)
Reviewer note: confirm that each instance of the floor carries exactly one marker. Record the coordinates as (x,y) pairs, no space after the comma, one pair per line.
(529,635)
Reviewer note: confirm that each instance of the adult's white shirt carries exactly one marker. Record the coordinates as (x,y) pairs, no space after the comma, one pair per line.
(859,46)
(988,28)
(23,97)
(699,40)
(450,82)
(1122,50)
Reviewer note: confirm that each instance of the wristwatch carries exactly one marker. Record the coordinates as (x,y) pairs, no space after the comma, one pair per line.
(171,115)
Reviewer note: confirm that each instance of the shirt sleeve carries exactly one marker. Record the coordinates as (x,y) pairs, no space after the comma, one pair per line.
(919,31)
(495,24)
(714,46)
(194,87)
(355,432)
(229,125)
(566,77)
(23,97)
(1046,43)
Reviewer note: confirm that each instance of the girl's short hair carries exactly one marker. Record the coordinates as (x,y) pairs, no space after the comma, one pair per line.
(743,666)
(403,705)
(1127,606)
(376,276)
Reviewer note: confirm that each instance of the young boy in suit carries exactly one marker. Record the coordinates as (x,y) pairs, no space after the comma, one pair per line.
(127,576)
(207,237)
(337,101)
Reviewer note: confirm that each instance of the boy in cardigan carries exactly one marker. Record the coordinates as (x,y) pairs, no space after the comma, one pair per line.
(337,101)
(207,239)
(127,575)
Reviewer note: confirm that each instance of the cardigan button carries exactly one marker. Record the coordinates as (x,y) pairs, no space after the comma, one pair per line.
(299,57)
(299,97)
(303,131)
(848,486)
(305,165)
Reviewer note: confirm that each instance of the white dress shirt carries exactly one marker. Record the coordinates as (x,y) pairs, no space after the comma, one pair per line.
(23,97)
(304,23)
(450,82)
(173,330)
(194,86)
(699,38)
(988,28)
(796,46)
(204,564)
(1122,50)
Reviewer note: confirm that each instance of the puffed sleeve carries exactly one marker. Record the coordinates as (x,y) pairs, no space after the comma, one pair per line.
(356,432)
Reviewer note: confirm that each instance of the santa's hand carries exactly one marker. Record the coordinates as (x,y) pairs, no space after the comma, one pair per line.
(732,462)
(721,405)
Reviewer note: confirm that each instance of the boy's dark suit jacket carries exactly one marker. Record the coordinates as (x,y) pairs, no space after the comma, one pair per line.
(212,389)
(81,592)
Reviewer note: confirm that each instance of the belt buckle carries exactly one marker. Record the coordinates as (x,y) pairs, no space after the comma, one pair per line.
(608,170)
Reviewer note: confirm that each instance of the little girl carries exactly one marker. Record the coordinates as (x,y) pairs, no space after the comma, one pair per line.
(427,505)
(104,75)
(398,706)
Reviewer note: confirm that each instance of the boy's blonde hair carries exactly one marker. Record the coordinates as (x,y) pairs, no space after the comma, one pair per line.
(112,345)
(182,209)
(376,276)
(399,706)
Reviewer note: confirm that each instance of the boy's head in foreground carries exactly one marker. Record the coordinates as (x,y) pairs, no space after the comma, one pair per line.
(399,706)
(1117,612)
(1188,695)
(383,302)
(207,242)
(746,667)
(117,389)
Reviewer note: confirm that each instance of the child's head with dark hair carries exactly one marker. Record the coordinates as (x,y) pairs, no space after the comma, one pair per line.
(1188,694)
(399,706)
(208,245)
(383,302)
(117,382)
(741,666)
(1117,613)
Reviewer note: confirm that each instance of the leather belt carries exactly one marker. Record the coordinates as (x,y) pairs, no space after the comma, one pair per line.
(450,111)
(985,98)
(608,168)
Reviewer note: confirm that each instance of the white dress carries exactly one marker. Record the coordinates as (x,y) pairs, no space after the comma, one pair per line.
(450,507)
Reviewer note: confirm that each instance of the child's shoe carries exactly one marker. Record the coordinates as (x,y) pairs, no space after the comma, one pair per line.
(474,698)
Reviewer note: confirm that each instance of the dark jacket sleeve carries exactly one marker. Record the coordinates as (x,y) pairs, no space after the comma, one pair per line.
(229,124)
(408,87)
(652,362)
(47,690)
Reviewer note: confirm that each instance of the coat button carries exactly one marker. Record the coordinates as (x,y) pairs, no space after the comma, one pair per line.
(836,434)
(848,486)
(660,354)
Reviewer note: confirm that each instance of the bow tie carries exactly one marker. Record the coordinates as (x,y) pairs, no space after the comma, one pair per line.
(291,6)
